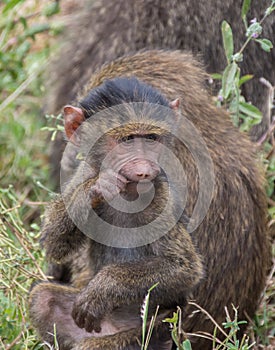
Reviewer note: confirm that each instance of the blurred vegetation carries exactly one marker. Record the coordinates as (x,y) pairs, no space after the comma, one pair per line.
(27,32)
(244,114)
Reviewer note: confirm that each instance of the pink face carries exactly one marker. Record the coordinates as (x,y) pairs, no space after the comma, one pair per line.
(136,157)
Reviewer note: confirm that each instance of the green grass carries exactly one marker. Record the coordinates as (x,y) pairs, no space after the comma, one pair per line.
(23,166)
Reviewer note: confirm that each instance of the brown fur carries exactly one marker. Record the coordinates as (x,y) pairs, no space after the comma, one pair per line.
(231,240)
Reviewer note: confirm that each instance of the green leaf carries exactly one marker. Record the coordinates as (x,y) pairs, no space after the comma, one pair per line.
(37,28)
(51,9)
(246,124)
(254,29)
(174,335)
(245,78)
(22,50)
(186,345)
(24,22)
(18,131)
(53,135)
(228,79)
(227,37)
(270,9)
(245,8)
(145,316)
(266,44)
(251,111)
(173,320)
(57,28)
(216,76)
(153,287)
(234,110)
(11,4)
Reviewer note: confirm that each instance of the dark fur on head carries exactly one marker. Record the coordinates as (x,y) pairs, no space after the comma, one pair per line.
(120,90)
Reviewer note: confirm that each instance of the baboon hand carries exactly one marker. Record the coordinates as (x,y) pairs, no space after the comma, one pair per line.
(89,308)
(108,185)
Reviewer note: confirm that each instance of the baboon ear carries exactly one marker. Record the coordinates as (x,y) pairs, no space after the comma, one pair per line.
(175,104)
(73,118)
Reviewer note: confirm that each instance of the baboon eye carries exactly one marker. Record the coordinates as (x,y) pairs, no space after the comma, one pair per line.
(127,139)
(151,137)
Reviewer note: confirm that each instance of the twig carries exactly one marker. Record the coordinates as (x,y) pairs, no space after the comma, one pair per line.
(23,86)
(15,340)
(11,209)
(270,202)
(204,335)
(209,316)
(34,204)
(18,236)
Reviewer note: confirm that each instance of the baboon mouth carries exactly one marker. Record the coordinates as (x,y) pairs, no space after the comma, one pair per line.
(139,187)
(141,182)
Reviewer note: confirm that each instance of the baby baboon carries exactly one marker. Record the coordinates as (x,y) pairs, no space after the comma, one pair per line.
(138,107)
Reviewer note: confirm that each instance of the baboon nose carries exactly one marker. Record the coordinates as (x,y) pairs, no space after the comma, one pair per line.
(142,176)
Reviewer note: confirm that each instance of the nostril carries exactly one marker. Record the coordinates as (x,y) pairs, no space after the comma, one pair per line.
(142,176)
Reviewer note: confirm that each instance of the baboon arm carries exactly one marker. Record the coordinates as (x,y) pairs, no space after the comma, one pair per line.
(119,284)
(60,237)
